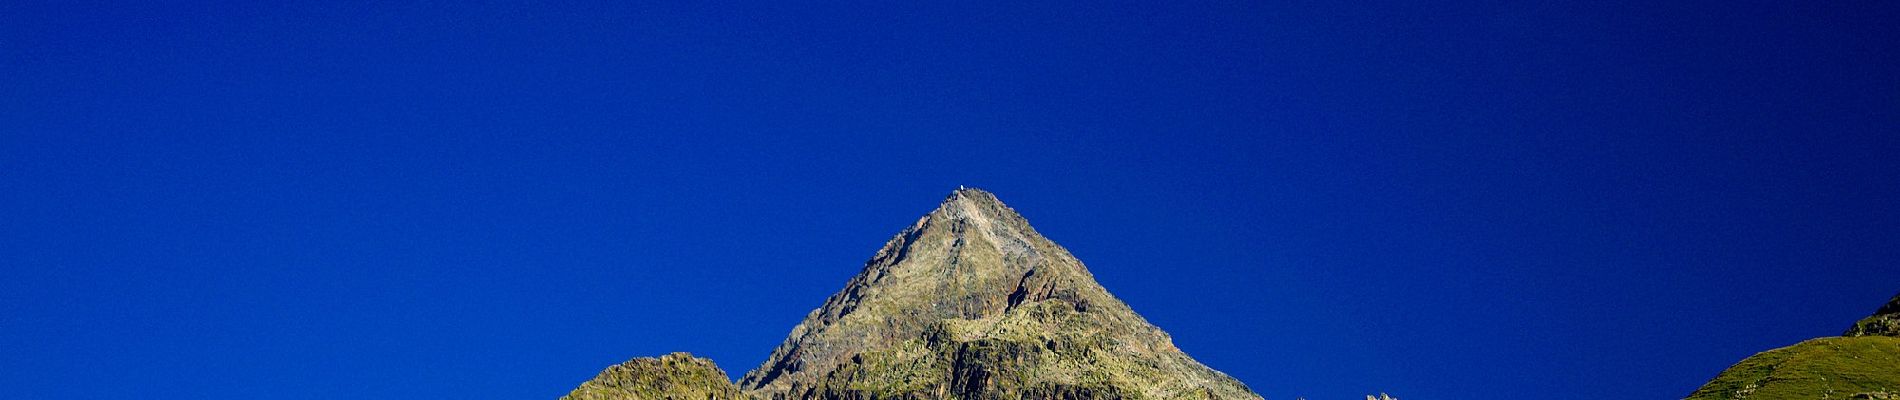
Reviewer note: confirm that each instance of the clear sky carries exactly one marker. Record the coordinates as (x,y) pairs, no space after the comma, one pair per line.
(1490,200)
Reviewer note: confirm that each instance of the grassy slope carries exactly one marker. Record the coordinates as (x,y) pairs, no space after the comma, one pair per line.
(1825,368)
(673,376)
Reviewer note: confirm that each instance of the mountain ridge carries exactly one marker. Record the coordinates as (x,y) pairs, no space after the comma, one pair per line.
(973,272)
(967,302)
(970,302)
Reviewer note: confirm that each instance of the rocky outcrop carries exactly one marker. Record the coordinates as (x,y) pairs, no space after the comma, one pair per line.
(1884,322)
(677,376)
(1864,364)
(971,302)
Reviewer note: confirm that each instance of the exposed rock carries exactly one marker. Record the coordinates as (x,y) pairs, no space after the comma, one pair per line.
(1884,322)
(970,302)
(677,376)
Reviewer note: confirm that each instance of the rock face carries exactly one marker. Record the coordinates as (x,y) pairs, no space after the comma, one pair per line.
(677,376)
(1864,364)
(970,302)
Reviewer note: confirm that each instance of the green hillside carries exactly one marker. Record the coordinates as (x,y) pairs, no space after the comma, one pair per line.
(1864,364)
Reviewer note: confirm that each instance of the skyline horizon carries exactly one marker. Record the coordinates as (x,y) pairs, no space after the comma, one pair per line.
(1476,199)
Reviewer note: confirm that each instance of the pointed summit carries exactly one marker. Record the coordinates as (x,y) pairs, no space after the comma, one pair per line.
(976,206)
(971,302)
(966,199)
(969,199)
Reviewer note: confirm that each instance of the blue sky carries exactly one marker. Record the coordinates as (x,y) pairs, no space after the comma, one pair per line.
(496,200)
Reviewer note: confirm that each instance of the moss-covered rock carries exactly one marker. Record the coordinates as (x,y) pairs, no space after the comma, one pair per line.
(677,376)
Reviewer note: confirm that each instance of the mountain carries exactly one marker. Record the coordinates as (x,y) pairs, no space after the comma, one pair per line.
(968,302)
(1884,322)
(673,376)
(971,302)
(1863,364)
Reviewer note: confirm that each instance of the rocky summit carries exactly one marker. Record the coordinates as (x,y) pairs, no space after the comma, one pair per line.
(1862,364)
(968,302)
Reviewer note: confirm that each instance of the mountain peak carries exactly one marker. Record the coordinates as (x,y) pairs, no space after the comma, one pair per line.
(968,202)
(970,191)
(970,302)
